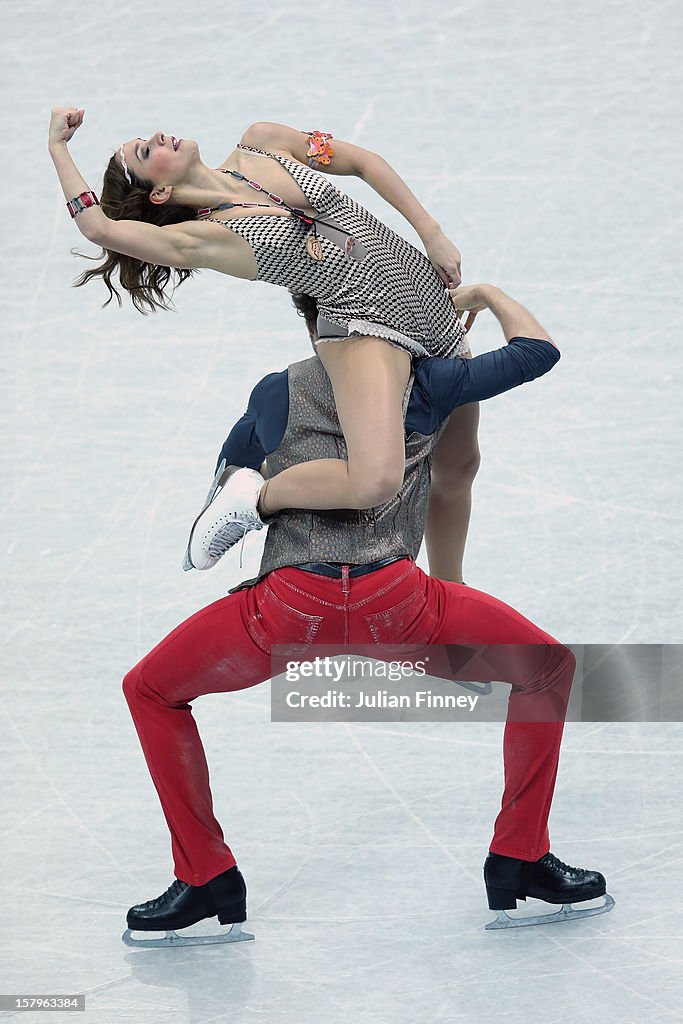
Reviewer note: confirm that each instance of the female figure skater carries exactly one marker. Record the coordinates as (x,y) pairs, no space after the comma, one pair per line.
(164,210)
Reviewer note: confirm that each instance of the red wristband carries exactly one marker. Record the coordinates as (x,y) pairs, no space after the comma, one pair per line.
(82,202)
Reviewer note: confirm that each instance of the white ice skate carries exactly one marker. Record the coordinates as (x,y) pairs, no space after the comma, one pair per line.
(228,514)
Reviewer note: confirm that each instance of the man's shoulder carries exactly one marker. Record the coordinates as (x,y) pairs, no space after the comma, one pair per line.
(305,370)
(274,378)
(312,363)
(276,383)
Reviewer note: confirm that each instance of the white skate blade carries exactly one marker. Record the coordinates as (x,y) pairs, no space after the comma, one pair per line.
(566,913)
(233,934)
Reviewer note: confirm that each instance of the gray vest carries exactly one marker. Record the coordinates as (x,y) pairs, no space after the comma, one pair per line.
(351,536)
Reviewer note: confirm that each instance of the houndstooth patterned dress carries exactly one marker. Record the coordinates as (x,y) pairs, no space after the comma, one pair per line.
(377,285)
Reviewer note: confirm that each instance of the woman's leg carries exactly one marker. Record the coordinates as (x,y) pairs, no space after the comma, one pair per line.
(368,378)
(454,466)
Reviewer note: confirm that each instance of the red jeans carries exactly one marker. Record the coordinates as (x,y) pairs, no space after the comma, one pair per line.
(227,645)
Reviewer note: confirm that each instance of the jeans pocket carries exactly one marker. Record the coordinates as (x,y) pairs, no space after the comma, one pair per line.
(276,623)
(405,627)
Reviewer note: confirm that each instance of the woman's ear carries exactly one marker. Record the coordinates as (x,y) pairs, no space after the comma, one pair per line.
(161,194)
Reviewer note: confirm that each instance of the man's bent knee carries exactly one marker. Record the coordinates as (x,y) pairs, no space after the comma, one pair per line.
(131,682)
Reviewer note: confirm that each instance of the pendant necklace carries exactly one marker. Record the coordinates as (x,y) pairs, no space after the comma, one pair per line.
(314,247)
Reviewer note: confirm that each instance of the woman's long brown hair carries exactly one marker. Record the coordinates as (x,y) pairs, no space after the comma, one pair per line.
(146,283)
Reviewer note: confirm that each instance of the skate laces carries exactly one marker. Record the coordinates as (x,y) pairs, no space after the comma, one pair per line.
(230,533)
(173,890)
(552,861)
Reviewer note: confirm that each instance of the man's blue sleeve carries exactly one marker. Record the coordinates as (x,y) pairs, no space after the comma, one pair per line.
(441,385)
(262,427)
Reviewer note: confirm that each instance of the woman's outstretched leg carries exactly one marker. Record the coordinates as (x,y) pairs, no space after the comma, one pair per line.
(454,466)
(368,378)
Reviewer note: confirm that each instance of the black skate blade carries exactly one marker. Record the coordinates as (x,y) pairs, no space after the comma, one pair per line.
(172,938)
(566,913)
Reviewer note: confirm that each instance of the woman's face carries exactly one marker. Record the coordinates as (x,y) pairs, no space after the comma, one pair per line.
(162,159)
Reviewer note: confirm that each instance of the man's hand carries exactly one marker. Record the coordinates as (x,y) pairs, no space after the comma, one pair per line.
(470,297)
(64,121)
(516,321)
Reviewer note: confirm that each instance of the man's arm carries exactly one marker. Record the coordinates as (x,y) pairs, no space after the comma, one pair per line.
(516,321)
(261,428)
(445,384)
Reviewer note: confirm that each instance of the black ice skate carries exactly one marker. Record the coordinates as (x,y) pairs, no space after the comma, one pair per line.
(549,879)
(183,905)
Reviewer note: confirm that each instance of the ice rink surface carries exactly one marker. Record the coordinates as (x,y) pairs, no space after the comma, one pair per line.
(544,138)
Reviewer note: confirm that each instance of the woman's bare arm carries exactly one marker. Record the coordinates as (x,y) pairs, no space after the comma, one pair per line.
(171,246)
(188,245)
(374,169)
(348,159)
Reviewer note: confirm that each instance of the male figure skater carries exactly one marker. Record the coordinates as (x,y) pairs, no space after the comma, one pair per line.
(339,578)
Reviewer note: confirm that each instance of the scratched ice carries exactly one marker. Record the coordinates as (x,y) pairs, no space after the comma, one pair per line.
(542,137)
